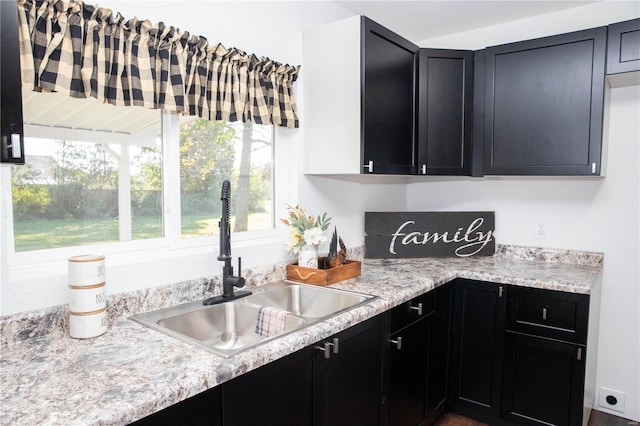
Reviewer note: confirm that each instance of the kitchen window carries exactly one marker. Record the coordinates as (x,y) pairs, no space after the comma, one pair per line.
(98,175)
(69,193)
(212,151)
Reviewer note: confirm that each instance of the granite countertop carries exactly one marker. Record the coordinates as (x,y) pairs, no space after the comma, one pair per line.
(133,371)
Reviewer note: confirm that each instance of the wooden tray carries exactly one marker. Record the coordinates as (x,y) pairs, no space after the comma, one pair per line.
(323,277)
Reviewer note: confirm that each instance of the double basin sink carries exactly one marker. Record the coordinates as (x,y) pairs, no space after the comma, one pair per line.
(230,327)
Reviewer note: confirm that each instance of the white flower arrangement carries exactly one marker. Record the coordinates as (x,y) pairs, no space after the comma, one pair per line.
(305,229)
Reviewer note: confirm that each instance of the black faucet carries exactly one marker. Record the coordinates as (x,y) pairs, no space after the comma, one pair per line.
(229,281)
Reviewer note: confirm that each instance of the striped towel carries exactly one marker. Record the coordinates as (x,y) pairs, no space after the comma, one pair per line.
(270,321)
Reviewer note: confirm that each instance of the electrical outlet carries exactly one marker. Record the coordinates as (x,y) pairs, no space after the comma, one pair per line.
(611,399)
(540,230)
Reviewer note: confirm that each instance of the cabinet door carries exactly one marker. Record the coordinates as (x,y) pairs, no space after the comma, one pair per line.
(438,365)
(544,105)
(445,109)
(279,393)
(348,383)
(408,362)
(388,101)
(623,50)
(11,129)
(478,343)
(543,381)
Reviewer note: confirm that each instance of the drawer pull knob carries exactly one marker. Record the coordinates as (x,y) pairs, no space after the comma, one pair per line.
(417,308)
(369,166)
(326,349)
(398,342)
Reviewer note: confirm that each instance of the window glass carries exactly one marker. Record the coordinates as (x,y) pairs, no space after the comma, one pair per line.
(92,174)
(67,194)
(211,152)
(146,192)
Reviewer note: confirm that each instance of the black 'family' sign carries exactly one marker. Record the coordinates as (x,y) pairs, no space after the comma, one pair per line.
(428,234)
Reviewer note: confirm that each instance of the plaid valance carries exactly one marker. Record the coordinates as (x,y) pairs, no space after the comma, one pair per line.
(85,51)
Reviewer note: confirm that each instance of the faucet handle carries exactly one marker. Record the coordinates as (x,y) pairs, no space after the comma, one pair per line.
(238,280)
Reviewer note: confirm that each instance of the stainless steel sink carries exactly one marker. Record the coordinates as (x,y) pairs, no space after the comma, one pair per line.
(229,328)
(224,329)
(306,301)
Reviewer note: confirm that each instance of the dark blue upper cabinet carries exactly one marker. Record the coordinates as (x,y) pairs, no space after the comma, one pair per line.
(543,105)
(445,110)
(623,50)
(623,53)
(388,101)
(12,134)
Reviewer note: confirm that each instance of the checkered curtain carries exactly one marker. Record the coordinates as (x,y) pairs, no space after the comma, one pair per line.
(71,47)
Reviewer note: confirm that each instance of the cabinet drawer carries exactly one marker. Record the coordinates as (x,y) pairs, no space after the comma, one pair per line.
(547,313)
(413,310)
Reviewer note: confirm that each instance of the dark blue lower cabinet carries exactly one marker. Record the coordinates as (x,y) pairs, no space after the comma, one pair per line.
(543,381)
(518,354)
(408,362)
(348,389)
(340,386)
(477,347)
(279,393)
(416,370)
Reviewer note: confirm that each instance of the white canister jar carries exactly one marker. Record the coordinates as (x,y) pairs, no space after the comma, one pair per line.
(308,256)
(86,270)
(87,325)
(87,298)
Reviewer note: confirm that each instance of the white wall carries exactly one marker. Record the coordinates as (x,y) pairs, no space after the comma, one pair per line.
(597,214)
(586,213)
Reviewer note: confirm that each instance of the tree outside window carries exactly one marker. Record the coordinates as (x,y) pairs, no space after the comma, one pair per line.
(67,194)
(211,152)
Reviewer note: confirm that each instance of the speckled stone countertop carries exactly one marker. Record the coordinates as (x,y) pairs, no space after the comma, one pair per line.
(47,378)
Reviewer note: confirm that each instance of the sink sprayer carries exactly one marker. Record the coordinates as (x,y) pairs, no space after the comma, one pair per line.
(229,281)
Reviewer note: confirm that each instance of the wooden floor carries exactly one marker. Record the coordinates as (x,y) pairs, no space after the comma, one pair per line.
(597,418)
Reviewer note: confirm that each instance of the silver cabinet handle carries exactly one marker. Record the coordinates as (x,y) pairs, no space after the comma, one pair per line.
(423,169)
(369,166)
(500,291)
(16,151)
(417,308)
(326,349)
(544,314)
(398,342)
(579,355)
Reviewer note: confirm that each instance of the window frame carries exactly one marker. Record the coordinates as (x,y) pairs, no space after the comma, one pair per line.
(42,263)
